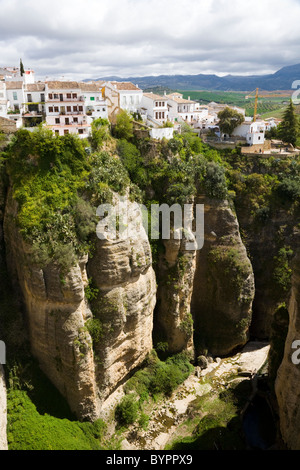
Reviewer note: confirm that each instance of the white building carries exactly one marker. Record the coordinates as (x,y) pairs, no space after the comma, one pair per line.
(271,123)
(65,110)
(15,101)
(253,132)
(3,100)
(94,101)
(155,107)
(186,110)
(34,105)
(123,95)
(16,97)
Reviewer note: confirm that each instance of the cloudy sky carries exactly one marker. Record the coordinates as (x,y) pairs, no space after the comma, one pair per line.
(96,38)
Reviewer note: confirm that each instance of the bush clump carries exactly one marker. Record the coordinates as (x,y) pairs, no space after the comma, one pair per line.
(160,378)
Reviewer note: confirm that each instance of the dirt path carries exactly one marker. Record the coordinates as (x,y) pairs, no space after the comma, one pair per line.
(166,416)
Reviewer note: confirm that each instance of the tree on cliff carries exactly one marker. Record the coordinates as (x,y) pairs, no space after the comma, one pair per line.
(229,120)
(124,126)
(288,130)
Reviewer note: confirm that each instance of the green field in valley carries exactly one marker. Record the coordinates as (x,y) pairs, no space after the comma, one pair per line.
(271,105)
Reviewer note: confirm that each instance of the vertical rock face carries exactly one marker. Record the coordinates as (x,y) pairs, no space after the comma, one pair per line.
(173,320)
(56,315)
(122,271)
(223,290)
(288,377)
(264,241)
(3,418)
(86,368)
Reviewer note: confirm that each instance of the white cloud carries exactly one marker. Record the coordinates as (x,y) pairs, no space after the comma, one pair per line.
(93,38)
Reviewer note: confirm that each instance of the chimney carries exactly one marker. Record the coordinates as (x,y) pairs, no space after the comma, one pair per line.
(189,98)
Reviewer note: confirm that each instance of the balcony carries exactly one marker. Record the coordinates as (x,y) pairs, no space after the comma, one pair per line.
(70,113)
(64,99)
(70,123)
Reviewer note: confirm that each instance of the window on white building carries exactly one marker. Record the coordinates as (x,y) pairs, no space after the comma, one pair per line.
(15,95)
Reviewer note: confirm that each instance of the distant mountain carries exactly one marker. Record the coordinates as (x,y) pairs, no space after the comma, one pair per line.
(281,80)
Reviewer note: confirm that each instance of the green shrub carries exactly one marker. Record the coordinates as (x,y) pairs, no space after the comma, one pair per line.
(289,188)
(282,273)
(126,412)
(160,377)
(95,329)
(124,126)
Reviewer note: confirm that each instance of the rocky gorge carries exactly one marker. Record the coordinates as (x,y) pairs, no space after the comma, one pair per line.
(92,324)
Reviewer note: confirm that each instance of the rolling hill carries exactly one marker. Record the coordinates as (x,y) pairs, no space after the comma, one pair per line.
(281,80)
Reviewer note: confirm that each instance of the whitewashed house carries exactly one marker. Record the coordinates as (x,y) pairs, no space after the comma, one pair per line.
(13,74)
(253,132)
(186,110)
(271,123)
(16,98)
(95,104)
(155,107)
(123,95)
(34,106)
(3,100)
(65,109)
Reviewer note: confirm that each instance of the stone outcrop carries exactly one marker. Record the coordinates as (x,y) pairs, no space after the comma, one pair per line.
(86,369)
(173,319)
(288,377)
(3,416)
(223,289)
(122,271)
(264,239)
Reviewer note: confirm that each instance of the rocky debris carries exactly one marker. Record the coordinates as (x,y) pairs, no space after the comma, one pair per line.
(167,415)
(202,362)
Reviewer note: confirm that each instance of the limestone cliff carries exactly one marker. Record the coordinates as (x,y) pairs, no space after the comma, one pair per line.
(86,369)
(263,242)
(3,418)
(176,269)
(208,292)
(122,271)
(288,377)
(223,289)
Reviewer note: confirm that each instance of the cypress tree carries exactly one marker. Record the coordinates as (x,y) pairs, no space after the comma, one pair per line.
(22,71)
(289,127)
